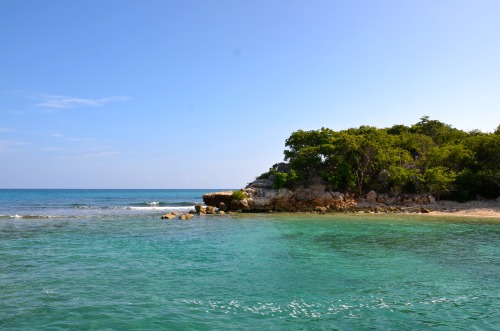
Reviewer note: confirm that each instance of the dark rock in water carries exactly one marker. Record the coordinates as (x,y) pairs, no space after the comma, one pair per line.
(168,216)
(186,216)
(199,209)
(210,210)
(222,206)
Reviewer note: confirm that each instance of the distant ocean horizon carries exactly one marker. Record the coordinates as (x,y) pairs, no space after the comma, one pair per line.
(103,259)
(53,203)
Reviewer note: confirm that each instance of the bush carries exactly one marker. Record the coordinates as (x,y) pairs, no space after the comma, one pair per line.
(283,179)
(239,195)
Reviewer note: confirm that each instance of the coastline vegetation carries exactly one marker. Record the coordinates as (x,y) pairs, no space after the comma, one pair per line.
(428,156)
(239,195)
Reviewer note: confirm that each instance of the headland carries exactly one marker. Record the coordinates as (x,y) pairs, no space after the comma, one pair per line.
(260,196)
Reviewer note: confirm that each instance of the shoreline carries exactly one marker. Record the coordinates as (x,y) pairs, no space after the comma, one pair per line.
(446,208)
(477,208)
(316,199)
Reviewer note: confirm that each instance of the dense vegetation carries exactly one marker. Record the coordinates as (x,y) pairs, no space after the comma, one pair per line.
(429,156)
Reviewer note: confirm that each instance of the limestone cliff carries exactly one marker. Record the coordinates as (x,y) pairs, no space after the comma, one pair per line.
(317,197)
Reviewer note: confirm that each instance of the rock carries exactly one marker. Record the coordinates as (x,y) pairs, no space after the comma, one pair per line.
(221,212)
(321,210)
(222,206)
(262,183)
(215,198)
(391,201)
(186,216)
(371,196)
(192,211)
(315,197)
(419,200)
(424,210)
(382,198)
(263,203)
(210,210)
(283,167)
(168,216)
(337,195)
(200,209)
(241,204)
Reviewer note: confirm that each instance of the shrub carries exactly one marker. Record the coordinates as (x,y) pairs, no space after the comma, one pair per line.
(239,195)
(283,179)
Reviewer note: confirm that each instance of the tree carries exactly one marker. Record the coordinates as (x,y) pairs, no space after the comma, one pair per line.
(427,156)
(440,133)
(454,157)
(439,180)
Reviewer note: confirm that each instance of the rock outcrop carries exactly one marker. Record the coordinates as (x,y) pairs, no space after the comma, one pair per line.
(262,197)
(316,197)
(215,198)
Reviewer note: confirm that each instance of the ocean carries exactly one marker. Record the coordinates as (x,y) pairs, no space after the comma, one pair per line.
(104,260)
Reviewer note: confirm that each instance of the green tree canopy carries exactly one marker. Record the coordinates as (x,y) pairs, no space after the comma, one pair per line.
(427,156)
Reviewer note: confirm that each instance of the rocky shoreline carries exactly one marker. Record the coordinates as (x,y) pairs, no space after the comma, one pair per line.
(261,196)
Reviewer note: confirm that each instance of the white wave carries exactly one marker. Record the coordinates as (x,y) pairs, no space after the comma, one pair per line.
(162,208)
(33,216)
(153,203)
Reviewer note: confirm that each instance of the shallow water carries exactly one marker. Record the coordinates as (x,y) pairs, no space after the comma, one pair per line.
(135,271)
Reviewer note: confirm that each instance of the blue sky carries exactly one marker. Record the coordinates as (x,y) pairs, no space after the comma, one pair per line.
(203,94)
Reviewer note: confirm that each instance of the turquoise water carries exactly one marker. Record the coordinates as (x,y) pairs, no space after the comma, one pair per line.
(81,260)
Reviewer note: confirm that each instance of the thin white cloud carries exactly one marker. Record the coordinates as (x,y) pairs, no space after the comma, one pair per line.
(102,154)
(65,102)
(8,144)
(51,149)
(6,130)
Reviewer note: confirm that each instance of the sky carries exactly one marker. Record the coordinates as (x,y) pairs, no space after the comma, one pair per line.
(204,93)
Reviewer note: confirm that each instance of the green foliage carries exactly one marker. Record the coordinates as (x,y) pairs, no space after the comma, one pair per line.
(398,129)
(342,178)
(440,133)
(427,156)
(403,179)
(239,195)
(285,180)
(439,180)
(455,157)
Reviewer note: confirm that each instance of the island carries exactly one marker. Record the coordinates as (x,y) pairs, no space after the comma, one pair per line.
(426,167)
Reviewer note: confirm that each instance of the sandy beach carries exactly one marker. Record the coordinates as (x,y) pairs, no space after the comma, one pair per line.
(480,208)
